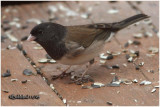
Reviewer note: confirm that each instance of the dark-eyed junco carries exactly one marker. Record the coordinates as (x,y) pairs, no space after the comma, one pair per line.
(73,45)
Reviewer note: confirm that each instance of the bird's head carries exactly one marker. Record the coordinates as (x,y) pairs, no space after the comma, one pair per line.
(45,32)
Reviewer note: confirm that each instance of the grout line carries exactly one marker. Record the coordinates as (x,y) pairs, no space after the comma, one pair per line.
(40,73)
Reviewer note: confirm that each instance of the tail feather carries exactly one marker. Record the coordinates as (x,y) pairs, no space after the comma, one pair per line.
(131,20)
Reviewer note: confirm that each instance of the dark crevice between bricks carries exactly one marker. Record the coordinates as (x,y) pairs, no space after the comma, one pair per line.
(138,10)
(20,48)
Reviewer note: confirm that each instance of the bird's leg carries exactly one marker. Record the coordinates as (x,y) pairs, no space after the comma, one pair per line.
(90,63)
(83,78)
(63,73)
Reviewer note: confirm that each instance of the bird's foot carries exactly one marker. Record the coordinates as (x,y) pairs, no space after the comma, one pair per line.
(64,74)
(80,80)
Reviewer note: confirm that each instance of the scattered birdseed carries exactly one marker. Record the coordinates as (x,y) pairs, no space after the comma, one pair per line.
(7,73)
(24,52)
(52,61)
(124,50)
(5,21)
(130,42)
(127,56)
(136,42)
(137,53)
(95,86)
(3,37)
(113,11)
(126,45)
(109,57)
(153,90)
(32,63)
(98,84)
(87,87)
(6,27)
(156,86)
(125,65)
(130,59)
(102,61)
(24,27)
(112,73)
(135,100)
(18,25)
(52,9)
(10,47)
(145,82)
(108,52)
(148,34)
(132,51)
(43,60)
(14,80)
(19,46)
(154,50)
(139,35)
(115,53)
(102,56)
(118,92)
(52,18)
(137,23)
(67,11)
(152,71)
(79,101)
(38,71)
(6,91)
(125,81)
(109,103)
(85,15)
(115,82)
(38,47)
(64,101)
(42,93)
(25,81)
(106,66)
(34,20)
(16,19)
(27,72)
(115,66)
(52,87)
(7,10)
(150,55)
(135,81)
(141,63)
(24,38)
(137,67)
(11,37)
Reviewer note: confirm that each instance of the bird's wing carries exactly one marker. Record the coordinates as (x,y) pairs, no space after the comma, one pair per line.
(84,35)
(80,37)
(74,49)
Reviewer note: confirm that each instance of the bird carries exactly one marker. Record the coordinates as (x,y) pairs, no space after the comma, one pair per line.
(78,44)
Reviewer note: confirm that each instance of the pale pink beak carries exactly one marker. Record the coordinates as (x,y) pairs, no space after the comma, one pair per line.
(31,38)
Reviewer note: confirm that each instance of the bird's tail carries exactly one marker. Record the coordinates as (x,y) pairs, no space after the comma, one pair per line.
(131,20)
